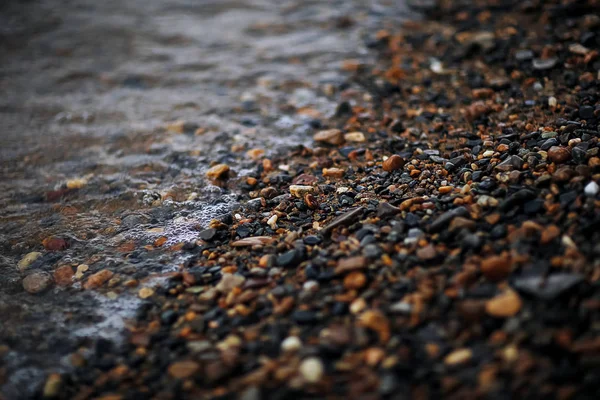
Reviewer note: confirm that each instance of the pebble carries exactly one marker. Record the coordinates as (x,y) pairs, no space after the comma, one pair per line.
(230,281)
(52,386)
(81,269)
(355,280)
(207,234)
(335,173)
(300,190)
(330,136)
(591,189)
(63,276)
(357,137)
(496,268)
(219,171)
(145,292)
(559,154)
(544,64)
(37,282)
(291,344)
(54,243)
(393,163)
(505,305)
(98,279)
(27,260)
(311,369)
(350,264)
(272,221)
(183,369)
(458,357)
(548,288)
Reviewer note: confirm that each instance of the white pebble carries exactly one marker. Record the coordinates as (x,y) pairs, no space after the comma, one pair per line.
(311,286)
(591,189)
(272,222)
(552,102)
(311,370)
(291,344)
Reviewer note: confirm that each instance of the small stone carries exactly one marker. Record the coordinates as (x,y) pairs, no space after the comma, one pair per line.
(586,112)
(289,259)
(335,173)
(300,190)
(544,64)
(52,386)
(357,137)
(219,171)
(181,126)
(591,189)
(427,253)
(145,292)
(291,344)
(183,369)
(77,183)
(393,163)
(98,279)
(458,357)
(63,276)
(330,136)
(445,189)
(505,305)
(81,269)
(272,221)
(230,281)
(378,322)
(351,264)
(252,241)
(548,288)
(559,154)
(53,243)
(476,110)
(355,280)
(496,268)
(385,209)
(552,102)
(549,234)
(311,369)
(37,282)
(27,260)
(207,234)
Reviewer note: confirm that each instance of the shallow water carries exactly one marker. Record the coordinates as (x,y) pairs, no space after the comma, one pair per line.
(88,91)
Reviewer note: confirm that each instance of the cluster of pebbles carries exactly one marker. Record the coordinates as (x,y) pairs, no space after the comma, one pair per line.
(439,239)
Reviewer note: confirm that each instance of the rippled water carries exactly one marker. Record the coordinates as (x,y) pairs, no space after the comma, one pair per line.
(89,89)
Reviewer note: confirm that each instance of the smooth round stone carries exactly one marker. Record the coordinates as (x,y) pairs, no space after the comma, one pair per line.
(311,370)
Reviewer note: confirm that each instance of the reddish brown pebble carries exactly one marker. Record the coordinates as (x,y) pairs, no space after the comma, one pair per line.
(219,171)
(351,264)
(355,280)
(505,305)
(98,279)
(393,163)
(483,93)
(311,201)
(63,276)
(183,369)
(445,189)
(476,110)
(376,321)
(54,244)
(496,268)
(549,234)
(559,154)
